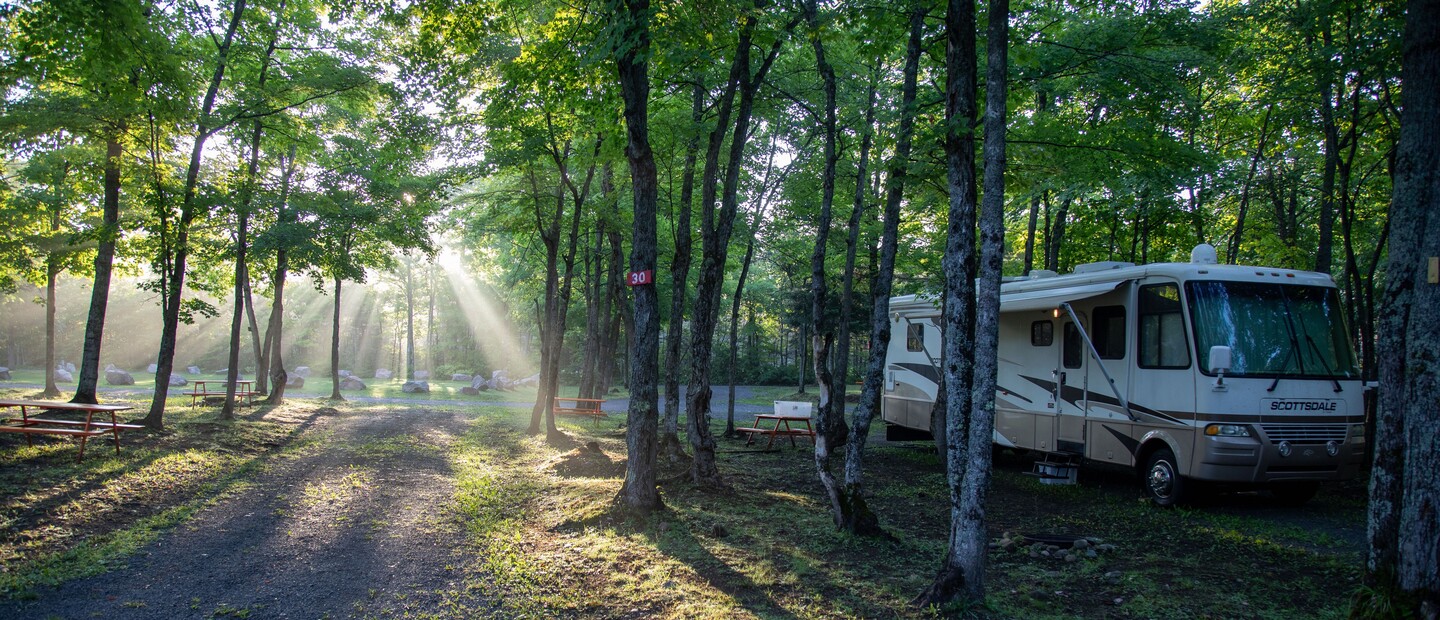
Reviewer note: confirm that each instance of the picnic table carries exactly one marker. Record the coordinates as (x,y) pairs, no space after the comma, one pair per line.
(780,423)
(588,407)
(82,429)
(217,387)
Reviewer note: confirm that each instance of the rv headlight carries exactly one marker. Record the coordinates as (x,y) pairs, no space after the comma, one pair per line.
(1227,430)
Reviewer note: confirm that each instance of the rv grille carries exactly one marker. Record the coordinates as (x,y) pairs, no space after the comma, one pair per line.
(1317,433)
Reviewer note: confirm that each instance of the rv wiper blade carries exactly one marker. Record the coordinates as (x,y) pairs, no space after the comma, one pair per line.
(1273,384)
(1321,356)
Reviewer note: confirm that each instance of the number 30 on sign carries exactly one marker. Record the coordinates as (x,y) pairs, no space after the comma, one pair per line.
(637,278)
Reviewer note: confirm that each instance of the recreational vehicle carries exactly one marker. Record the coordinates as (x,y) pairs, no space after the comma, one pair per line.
(1186,372)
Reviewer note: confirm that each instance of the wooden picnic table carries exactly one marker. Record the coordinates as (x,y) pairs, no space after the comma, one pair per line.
(781,426)
(87,428)
(589,407)
(243,388)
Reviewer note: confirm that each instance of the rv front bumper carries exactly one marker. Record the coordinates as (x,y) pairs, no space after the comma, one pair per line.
(1265,457)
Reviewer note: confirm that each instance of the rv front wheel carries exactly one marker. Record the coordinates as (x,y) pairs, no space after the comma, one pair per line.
(1163,483)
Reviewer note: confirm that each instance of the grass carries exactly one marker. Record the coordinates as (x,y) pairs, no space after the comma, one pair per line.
(546,540)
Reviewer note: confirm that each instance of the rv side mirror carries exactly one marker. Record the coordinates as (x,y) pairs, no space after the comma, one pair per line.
(1220,359)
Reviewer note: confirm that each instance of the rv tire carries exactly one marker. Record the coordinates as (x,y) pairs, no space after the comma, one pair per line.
(1161,479)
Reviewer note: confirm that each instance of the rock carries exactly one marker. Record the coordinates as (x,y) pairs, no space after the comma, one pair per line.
(460,376)
(479,384)
(530,381)
(63,376)
(301,371)
(1070,557)
(177,380)
(421,375)
(296,382)
(1082,544)
(115,376)
(4,373)
(469,391)
(415,387)
(384,374)
(152,369)
(70,367)
(1105,548)
(1090,553)
(194,370)
(351,383)
(344,373)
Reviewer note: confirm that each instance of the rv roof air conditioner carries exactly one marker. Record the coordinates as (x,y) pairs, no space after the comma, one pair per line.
(1104,265)
(1204,254)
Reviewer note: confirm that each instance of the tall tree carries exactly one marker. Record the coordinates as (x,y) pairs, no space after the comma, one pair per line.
(174,279)
(632,50)
(858,517)
(1404,524)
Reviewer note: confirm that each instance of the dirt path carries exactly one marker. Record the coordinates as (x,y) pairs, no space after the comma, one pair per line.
(357,526)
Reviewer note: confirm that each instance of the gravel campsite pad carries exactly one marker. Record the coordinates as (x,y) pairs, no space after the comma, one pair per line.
(356,525)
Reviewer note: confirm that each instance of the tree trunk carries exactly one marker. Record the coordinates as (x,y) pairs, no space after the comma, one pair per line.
(639,492)
(1404,489)
(715,239)
(409,320)
(961,575)
(52,273)
(275,361)
(830,430)
(104,259)
(335,346)
(858,518)
(175,279)
(1056,236)
(671,450)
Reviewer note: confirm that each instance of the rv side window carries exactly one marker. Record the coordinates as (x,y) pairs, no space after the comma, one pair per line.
(1110,332)
(915,337)
(1072,353)
(1042,333)
(1162,328)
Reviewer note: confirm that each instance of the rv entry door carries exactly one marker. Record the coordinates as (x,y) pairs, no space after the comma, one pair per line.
(1071,393)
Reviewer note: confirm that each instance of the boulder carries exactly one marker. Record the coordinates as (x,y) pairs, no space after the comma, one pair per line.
(384,374)
(415,387)
(479,384)
(296,382)
(63,376)
(178,381)
(460,376)
(344,373)
(152,369)
(530,381)
(4,373)
(194,370)
(421,375)
(469,391)
(352,383)
(115,376)
(109,367)
(70,367)
(301,371)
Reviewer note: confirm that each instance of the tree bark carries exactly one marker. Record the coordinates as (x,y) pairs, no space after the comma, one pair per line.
(335,346)
(104,261)
(52,274)
(275,360)
(175,279)
(671,450)
(1405,486)
(961,575)
(858,518)
(639,492)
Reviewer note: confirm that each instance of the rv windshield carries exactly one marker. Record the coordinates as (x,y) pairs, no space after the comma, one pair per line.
(1273,330)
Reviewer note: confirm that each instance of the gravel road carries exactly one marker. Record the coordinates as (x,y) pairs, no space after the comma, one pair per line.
(356,527)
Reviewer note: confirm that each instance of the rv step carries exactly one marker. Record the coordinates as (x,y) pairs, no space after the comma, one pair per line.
(1036,474)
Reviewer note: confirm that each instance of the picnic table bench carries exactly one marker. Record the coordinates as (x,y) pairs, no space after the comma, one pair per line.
(588,407)
(83,429)
(787,412)
(204,388)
